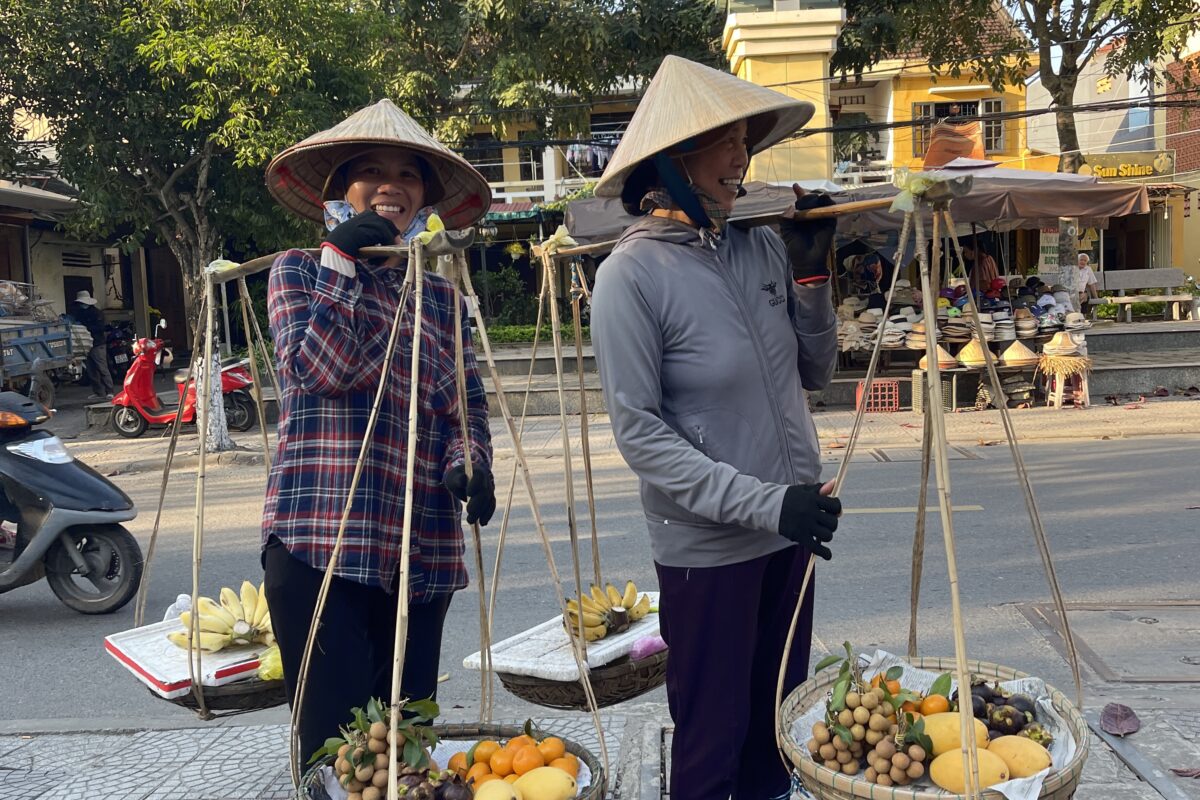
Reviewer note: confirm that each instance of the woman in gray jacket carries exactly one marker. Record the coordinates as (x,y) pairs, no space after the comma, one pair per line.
(707,337)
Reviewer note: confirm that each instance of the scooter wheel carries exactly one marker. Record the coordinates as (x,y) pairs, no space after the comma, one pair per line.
(128,422)
(115,562)
(239,412)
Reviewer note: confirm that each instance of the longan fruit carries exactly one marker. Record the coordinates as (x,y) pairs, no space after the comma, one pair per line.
(915,770)
(827,752)
(844,757)
(833,765)
(870,701)
(897,775)
(877,723)
(813,747)
(858,732)
(871,774)
(377,746)
(900,760)
(851,768)
(861,715)
(874,737)
(853,700)
(916,752)
(846,717)
(886,748)
(884,779)
(840,743)
(821,733)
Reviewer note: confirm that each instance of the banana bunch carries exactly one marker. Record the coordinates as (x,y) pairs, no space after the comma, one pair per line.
(606,611)
(238,619)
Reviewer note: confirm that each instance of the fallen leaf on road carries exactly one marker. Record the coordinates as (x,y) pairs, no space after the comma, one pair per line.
(836,446)
(988,442)
(1186,773)
(909,425)
(984,422)
(1119,720)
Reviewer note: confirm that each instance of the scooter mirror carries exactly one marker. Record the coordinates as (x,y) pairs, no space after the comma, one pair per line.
(162,324)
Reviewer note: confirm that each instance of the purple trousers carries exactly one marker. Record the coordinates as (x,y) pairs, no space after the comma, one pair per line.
(726,628)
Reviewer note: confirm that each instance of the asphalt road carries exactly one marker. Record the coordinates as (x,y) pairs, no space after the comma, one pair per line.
(1116,511)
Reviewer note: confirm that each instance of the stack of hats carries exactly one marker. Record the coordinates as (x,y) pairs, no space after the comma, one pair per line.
(972,355)
(1018,355)
(944,360)
(956,330)
(1018,389)
(895,331)
(1006,330)
(989,326)
(850,336)
(916,339)
(902,293)
(1061,345)
(1076,321)
(1049,323)
(1026,323)
(851,307)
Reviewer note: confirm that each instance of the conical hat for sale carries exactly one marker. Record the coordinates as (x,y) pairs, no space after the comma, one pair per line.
(300,177)
(972,354)
(1018,354)
(685,100)
(945,360)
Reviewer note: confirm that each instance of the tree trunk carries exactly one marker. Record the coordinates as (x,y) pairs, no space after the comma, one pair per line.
(1069,160)
(217,431)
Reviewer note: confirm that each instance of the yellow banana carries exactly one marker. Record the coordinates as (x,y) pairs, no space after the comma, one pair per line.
(572,605)
(250,601)
(209,642)
(614,597)
(595,632)
(588,604)
(232,603)
(589,618)
(601,598)
(210,608)
(264,629)
(629,599)
(262,609)
(640,609)
(207,623)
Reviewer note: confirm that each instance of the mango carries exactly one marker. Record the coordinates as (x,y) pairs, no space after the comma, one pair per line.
(947,770)
(498,790)
(943,730)
(1024,757)
(545,783)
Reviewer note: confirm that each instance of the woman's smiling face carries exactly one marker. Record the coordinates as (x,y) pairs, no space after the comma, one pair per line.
(388,181)
(719,164)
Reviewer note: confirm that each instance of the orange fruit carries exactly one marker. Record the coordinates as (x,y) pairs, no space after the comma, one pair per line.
(568,764)
(511,778)
(486,778)
(484,750)
(502,763)
(526,759)
(934,704)
(477,771)
(551,748)
(911,705)
(893,687)
(458,764)
(517,742)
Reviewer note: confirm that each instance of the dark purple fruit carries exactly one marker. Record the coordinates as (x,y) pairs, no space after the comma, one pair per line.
(1022,703)
(1007,719)
(979,707)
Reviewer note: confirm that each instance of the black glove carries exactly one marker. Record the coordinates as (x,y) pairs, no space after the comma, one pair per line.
(809,518)
(479,493)
(362,230)
(808,240)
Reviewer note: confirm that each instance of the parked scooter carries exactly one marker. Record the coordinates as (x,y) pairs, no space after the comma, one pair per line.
(119,338)
(138,406)
(67,518)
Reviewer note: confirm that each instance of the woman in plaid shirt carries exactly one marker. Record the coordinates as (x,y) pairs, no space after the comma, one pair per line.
(375,178)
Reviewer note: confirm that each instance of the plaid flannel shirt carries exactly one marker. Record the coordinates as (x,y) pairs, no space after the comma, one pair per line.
(331,332)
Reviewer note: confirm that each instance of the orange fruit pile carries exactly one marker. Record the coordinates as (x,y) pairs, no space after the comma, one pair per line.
(491,761)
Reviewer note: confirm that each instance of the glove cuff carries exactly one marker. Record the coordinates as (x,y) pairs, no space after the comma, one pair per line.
(812,280)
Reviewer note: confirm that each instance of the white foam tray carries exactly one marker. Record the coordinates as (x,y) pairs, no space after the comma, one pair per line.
(544,651)
(163,666)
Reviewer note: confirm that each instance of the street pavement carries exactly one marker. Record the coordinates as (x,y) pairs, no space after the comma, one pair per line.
(1115,487)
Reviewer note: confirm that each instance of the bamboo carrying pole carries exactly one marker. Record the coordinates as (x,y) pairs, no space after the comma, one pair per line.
(256,387)
(579,291)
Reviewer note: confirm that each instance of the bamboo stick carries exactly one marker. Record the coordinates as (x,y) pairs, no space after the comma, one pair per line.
(139,606)
(268,362)
(942,472)
(584,443)
(416,263)
(918,552)
(823,212)
(244,296)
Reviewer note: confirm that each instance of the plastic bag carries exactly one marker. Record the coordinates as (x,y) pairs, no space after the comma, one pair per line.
(182,603)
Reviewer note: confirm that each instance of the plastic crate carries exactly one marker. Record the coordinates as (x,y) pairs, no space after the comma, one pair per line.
(884,396)
(949,391)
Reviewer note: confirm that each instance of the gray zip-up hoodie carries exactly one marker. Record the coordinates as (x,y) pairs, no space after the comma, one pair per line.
(704,357)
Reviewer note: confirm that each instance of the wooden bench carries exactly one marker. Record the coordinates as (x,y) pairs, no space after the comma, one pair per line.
(1122,280)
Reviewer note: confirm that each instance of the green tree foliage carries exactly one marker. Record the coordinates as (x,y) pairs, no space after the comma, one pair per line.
(165,112)
(1057,37)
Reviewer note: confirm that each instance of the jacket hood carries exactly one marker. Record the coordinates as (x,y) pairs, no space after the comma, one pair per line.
(660,229)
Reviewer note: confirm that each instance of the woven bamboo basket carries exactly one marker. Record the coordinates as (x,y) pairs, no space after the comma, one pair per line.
(248,695)
(825,784)
(312,789)
(613,683)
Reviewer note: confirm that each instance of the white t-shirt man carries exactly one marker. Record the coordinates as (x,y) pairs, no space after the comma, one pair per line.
(1087,279)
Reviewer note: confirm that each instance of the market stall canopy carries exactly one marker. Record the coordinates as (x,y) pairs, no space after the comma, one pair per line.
(601,219)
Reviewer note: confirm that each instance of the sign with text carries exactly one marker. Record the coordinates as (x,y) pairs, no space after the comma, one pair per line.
(1048,251)
(1121,166)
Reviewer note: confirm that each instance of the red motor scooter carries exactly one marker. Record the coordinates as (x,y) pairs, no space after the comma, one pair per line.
(138,406)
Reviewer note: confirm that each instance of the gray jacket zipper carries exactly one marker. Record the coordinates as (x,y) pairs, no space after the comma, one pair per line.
(764,367)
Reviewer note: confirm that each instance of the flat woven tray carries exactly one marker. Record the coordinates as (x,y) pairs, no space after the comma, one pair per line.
(825,784)
(612,684)
(311,787)
(248,695)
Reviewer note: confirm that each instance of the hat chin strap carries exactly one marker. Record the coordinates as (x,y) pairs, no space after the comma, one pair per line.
(681,191)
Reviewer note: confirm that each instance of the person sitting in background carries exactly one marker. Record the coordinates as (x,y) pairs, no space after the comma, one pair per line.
(86,314)
(1087,280)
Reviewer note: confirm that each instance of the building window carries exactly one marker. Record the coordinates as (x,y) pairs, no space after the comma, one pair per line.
(993,129)
(853,100)
(531,157)
(930,113)
(485,154)
(589,160)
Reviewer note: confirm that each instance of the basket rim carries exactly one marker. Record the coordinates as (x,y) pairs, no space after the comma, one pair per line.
(601,673)
(856,786)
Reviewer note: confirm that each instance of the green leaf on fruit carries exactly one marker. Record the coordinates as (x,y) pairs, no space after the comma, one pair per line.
(471,755)
(375,710)
(425,710)
(838,702)
(942,685)
(360,720)
(414,754)
(843,732)
(330,748)
(894,673)
(826,662)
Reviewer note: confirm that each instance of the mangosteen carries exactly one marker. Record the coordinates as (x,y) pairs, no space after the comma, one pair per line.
(1022,702)
(1007,719)
(995,734)
(1037,733)
(979,707)
(454,788)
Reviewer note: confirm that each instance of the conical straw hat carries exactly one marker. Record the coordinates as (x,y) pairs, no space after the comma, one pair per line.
(945,360)
(687,99)
(298,177)
(971,354)
(1018,353)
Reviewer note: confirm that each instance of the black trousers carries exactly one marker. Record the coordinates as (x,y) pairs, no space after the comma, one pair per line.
(726,627)
(352,657)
